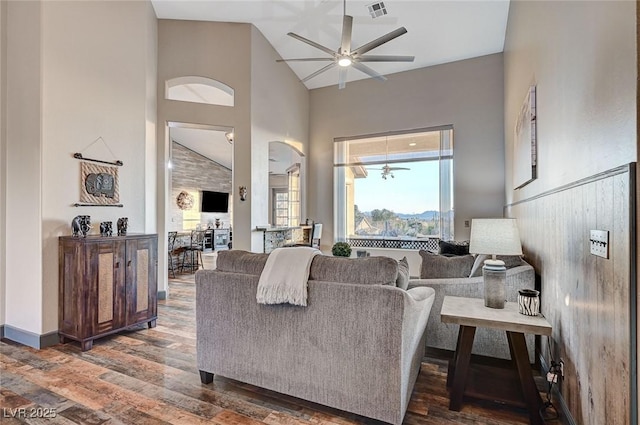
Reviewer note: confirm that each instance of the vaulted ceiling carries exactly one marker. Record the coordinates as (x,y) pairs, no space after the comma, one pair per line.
(438,31)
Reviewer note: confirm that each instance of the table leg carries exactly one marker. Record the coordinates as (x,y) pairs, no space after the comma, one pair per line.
(518,348)
(461,358)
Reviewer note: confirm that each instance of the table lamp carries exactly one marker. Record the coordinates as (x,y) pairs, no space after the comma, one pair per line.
(494,236)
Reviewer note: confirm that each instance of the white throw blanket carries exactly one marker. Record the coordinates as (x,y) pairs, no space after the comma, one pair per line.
(285,275)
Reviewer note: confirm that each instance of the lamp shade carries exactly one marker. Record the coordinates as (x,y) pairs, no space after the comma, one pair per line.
(495,236)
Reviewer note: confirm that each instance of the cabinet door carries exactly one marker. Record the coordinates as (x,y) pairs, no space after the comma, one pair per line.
(105,276)
(141,277)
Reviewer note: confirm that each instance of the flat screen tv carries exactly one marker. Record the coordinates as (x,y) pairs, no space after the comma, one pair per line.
(215,201)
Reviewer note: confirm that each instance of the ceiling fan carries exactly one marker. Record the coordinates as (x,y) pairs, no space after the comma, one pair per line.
(387,170)
(345,57)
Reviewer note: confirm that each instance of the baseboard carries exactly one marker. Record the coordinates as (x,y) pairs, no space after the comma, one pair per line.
(162,295)
(567,418)
(29,339)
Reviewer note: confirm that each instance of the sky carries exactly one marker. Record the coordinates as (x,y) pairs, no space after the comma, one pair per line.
(412,191)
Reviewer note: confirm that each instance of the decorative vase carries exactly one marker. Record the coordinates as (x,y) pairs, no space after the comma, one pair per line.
(218,223)
(529,302)
(495,293)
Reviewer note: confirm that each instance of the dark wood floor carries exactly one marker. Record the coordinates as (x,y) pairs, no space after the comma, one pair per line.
(149,376)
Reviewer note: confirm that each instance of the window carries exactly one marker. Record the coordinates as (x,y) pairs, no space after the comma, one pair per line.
(280,202)
(199,90)
(396,186)
(293,174)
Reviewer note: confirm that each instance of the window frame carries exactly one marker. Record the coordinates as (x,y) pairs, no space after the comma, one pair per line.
(446,181)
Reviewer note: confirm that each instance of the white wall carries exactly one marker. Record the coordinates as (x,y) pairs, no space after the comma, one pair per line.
(279,112)
(23,286)
(582,57)
(3,157)
(64,92)
(467,94)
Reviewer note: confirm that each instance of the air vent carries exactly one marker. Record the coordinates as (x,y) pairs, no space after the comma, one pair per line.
(377,9)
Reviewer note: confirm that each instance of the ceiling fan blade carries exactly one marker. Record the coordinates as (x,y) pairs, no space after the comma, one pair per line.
(306,60)
(342,77)
(379,41)
(312,43)
(347,26)
(370,72)
(398,168)
(384,58)
(320,71)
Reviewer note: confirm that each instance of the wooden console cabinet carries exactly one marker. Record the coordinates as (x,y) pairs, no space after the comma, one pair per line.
(106,284)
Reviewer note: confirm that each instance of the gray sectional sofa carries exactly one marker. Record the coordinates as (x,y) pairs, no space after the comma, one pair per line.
(487,342)
(357,346)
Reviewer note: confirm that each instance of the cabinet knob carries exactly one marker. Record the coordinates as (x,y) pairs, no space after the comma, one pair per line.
(117,264)
(129,263)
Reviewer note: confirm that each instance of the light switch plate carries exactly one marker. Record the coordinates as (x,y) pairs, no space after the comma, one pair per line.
(599,243)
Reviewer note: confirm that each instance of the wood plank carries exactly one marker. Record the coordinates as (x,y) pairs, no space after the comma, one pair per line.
(151,377)
(585,298)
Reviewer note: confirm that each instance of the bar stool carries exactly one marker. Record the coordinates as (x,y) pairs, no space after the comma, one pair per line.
(170,248)
(193,252)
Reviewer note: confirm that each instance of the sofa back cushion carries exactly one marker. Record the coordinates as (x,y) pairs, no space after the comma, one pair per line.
(436,266)
(365,270)
(402,281)
(238,261)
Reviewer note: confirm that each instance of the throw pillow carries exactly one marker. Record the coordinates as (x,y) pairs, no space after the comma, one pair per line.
(510,261)
(403,274)
(453,248)
(436,266)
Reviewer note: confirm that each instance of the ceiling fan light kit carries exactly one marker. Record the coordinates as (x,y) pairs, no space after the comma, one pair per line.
(344,57)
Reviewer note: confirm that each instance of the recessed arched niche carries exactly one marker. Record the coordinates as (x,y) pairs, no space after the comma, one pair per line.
(199,90)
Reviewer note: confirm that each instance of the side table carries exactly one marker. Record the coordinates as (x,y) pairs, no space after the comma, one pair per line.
(463,378)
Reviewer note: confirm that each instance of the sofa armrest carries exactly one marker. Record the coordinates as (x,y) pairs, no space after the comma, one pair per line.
(420,293)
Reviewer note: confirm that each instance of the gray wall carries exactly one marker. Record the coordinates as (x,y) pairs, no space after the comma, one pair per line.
(279,112)
(270,104)
(582,57)
(467,94)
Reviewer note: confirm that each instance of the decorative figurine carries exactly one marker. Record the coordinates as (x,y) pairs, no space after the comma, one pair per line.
(106,228)
(243,192)
(123,222)
(80,225)
(218,223)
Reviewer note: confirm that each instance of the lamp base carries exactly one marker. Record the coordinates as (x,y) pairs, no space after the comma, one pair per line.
(495,277)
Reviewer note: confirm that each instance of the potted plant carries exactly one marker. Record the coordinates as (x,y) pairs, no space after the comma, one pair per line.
(341,249)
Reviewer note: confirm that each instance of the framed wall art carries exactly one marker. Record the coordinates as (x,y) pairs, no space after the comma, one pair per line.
(99,184)
(525,158)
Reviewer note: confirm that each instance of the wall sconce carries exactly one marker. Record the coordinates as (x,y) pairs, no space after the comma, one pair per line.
(243,193)
(229,136)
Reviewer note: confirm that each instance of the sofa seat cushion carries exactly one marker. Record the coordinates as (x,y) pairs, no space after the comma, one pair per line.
(436,266)
(238,261)
(366,270)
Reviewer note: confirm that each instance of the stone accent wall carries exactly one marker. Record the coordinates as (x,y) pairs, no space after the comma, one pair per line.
(194,173)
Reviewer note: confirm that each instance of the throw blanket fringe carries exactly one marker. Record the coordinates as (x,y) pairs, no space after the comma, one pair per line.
(285,275)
